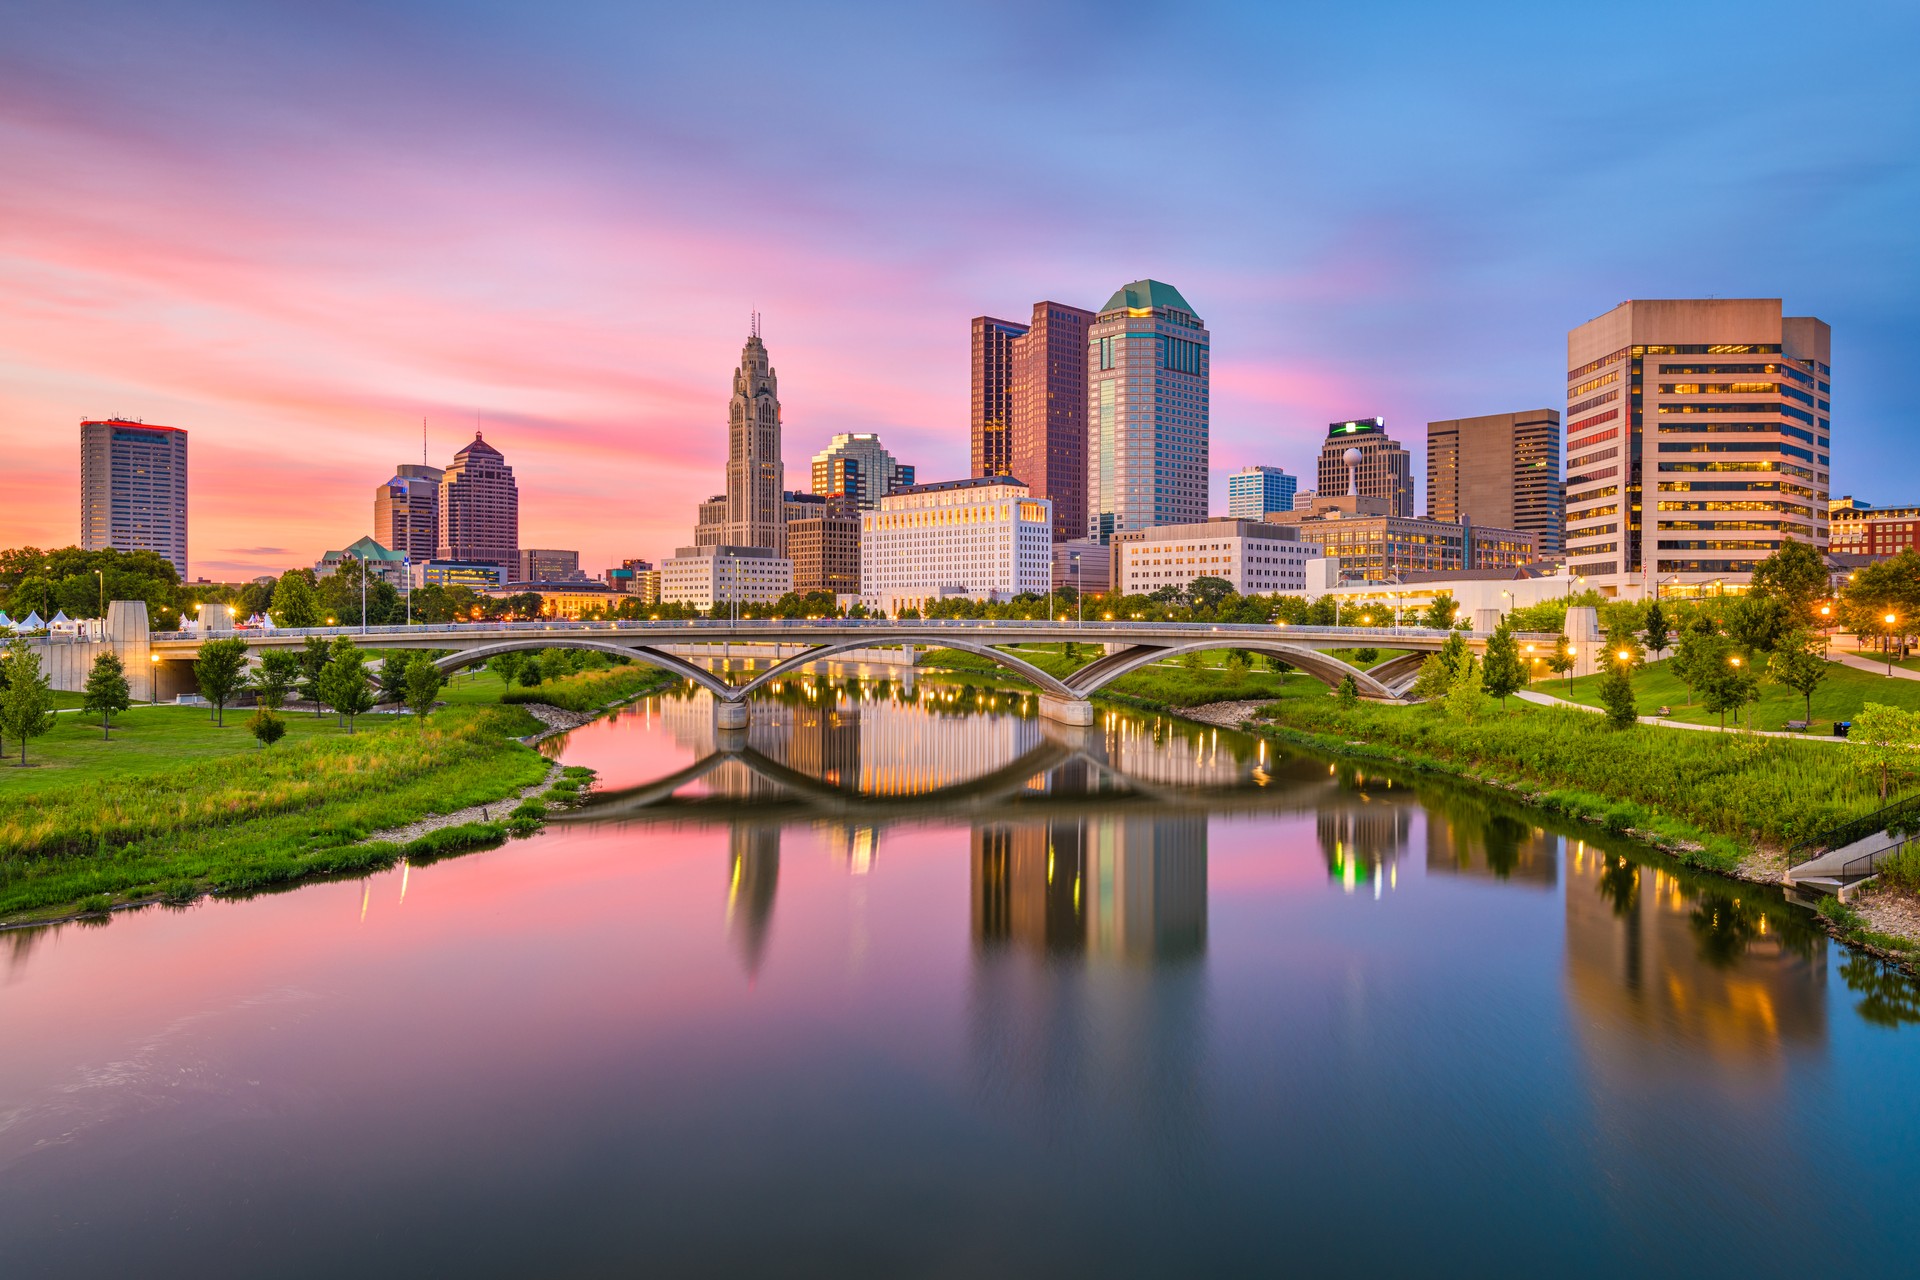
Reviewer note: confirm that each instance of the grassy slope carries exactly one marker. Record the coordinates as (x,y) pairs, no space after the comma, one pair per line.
(1839,697)
(1169,684)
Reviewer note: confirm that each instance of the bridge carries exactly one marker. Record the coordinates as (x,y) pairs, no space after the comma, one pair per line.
(673,646)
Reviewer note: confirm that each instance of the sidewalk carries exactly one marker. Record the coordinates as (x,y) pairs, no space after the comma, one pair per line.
(1861,662)
(1547,700)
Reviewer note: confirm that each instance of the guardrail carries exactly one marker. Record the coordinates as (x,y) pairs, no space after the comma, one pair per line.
(1843,834)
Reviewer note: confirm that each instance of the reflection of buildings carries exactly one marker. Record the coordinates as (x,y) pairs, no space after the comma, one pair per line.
(1473,842)
(853,847)
(753,874)
(1363,842)
(1132,888)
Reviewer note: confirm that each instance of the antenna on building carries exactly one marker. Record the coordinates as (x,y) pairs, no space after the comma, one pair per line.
(755,325)
(423,439)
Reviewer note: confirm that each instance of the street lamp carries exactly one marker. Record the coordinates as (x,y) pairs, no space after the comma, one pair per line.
(1891,619)
(153,678)
(1826,627)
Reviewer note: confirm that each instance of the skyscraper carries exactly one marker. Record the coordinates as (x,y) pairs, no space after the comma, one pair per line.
(1254,491)
(1048,448)
(1697,439)
(406,511)
(1147,378)
(133,489)
(1500,469)
(1385,470)
(992,410)
(754,515)
(479,508)
(856,466)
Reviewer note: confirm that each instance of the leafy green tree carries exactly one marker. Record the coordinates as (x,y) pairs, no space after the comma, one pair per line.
(1755,623)
(1208,592)
(1466,699)
(1797,664)
(345,685)
(276,678)
(1700,651)
(295,603)
(1562,659)
(107,692)
(26,705)
(424,681)
(1438,673)
(314,656)
(1795,575)
(1616,693)
(1502,674)
(1441,612)
(1655,625)
(1883,743)
(1727,685)
(221,670)
(266,726)
(393,678)
(1348,693)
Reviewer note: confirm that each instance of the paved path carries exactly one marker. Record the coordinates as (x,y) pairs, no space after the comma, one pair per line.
(1861,662)
(1546,700)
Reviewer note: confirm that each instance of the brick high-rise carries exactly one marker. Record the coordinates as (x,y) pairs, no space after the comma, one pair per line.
(406,512)
(1385,470)
(1048,450)
(992,409)
(1500,469)
(480,508)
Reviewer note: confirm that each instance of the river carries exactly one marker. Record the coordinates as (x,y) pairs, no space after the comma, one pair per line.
(908,981)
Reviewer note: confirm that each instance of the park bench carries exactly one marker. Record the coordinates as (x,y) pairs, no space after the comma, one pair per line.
(1797,726)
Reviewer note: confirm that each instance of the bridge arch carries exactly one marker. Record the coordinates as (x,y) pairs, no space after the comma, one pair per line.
(638,653)
(1020,666)
(1101,672)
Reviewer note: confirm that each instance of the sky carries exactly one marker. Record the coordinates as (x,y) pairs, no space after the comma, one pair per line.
(300,229)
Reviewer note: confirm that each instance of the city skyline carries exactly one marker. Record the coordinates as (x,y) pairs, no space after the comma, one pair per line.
(323,273)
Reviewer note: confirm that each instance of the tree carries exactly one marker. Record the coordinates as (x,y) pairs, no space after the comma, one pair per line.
(1348,693)
(393,678)
(275,678)
(221,671)
(1502,674)
(107,692)
(423,686)
(1883,741)
(1727,685)
(345,685)
(1702,649)
(313,658)
(1616,692)
(1440,612)
(1438,673)
(267,727)
(26,707)
(1655,626)
(1755,623)
(1207,592)
(1561,659)
(1466,698)
(294,602)
(1797,664)
(1795,575)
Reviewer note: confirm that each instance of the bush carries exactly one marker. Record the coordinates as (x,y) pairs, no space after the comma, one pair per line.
(591,690)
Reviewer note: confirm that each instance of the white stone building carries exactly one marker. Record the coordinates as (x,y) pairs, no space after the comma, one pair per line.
(706,576)
(983,538)
(1257,558)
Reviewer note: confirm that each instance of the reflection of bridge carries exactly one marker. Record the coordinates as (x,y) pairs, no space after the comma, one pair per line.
(1130,646)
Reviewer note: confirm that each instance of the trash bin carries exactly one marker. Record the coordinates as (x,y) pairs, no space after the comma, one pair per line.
(1841,728)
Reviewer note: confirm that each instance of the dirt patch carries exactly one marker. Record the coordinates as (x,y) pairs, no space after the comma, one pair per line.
(1886,910)
(1227,715)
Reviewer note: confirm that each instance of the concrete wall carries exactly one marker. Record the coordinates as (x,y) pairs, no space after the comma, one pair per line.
(68,661)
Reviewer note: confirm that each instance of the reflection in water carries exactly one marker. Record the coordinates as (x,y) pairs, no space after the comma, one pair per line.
(1481,838)
(1362,841)
(753,876)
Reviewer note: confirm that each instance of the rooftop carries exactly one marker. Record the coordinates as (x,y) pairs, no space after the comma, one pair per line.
(972,482)
(1147,295)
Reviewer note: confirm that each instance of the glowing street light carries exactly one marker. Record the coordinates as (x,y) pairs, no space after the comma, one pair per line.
(1891,619)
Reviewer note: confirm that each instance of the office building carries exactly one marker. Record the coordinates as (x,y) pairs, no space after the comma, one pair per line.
(133,489)
(983,538)
(1254,491)
(1857,529)
(380,563)
(537,565)
(1048,449)
(1082,564)
(1373,545)
(480,508)
(991,420)
(477,575)
(1500,469)
(1256,557)
(1697,441)
(721,574)
(566,599)
(751,512)
(1147,412)
(1360,459)
(406,511)
(857,466)
(825,549)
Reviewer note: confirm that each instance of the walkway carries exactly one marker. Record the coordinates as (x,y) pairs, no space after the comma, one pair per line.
(1547,700)
(1861,662)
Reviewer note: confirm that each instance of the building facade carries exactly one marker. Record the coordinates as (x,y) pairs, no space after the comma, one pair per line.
(1048,449)
(1256,557)
(1861,530)
(406,512)
(825,550)
(535,564)
(379,562)
(479,508)
(1375,546)
(1697,441)
(1148,362)
(750,513)
(479,575)
(1383,469)
(1500,469)
(566,599)
(133,489)
(991,413)
(985,538)
(721,574)
(1254,491)
(856,466)
(1082,564)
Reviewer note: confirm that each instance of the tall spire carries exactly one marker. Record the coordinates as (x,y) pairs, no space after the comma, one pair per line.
(754,326)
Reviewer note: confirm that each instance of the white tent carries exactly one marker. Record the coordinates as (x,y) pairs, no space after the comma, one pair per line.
(6,623)
(32,622)
(59,616)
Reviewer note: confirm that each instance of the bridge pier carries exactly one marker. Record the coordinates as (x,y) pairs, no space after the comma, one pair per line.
(730,715)
(1073,711)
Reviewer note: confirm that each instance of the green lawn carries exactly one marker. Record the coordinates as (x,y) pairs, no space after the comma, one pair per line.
(1839,697)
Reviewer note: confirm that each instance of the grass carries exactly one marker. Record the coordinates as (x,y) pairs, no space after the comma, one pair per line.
(1167,684)
(586,691)
(1839,697)
(241,821)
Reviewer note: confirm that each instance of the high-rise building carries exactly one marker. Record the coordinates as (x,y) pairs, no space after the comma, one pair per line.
(1255,557)
(720,574)
(1500,469)
(535,564)
(480,508)
(825,549)
(992,410)
(856,466)
(1048,450)
(1697,440)
(1147,440)
(1861,529)
(133,489)
(982,538)
(1382,470)
(406,512)
(753,515)
(1254,491)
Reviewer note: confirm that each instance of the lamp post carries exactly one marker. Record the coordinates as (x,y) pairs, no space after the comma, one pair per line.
(406,567)
(1891,619)
(153,678)
(1734,662)
(1078,613)
(102,575)
(1826,627)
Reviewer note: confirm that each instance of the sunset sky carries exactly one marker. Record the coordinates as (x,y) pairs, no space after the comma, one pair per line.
(298,229)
